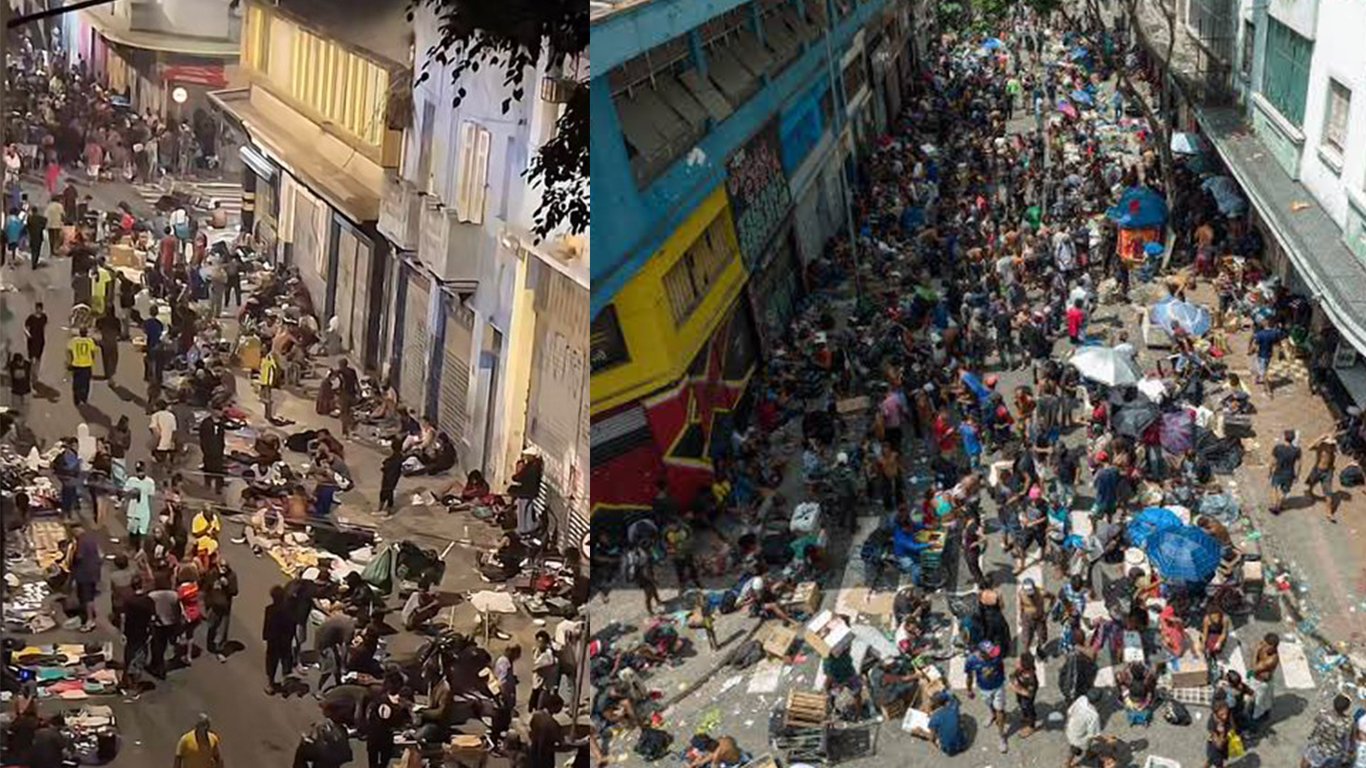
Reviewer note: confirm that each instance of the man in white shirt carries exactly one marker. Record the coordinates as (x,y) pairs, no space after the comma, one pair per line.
(163,428)
(1082,729)
(544,671)
(1125,348)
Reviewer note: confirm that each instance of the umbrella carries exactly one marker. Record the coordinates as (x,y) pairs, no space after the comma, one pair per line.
(992,43)
(1082,97)
(1177,433)
(1132,419)
(1065,107)
(1153,248)
(1188,144)
(1106,365)
(1139,208)
(1149,522)
(1186,554)
(1226,195)
(1170,312)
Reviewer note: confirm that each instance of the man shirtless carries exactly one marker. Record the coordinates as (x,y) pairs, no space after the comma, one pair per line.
(1325,450)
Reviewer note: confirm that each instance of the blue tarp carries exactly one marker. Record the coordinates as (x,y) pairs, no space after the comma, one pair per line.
(1185,555)
(1139,208)
(992,43)
(1192,317)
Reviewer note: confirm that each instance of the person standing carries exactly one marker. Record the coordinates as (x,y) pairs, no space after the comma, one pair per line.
(220,587)
(212,438)
(388,714)
(269,379)
(1261,678)
(140,490)
(136,624)
(1285,467)
(525,488)
(506,678)
(987,669)
(20,382)
(1325,450)
(1263,342)
(55,213)
(37,227)
(390,472)
(332,643)
(109,329)
(163,429)
(86,566)
(35,337)
(545,672)
(80,358)
(200,748)
(277,630)
(348,392)
(1024,681)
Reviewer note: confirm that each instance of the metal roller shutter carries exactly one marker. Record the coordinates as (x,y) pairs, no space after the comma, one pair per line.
(310,247)
(452,409)
(556,418)
(416,338)
(362,319)
(346,285)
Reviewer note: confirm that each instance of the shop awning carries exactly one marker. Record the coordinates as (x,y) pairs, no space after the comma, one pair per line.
(352,185)
(160,41)
(1308,235)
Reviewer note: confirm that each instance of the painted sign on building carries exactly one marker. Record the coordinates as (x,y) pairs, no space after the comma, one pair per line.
(759,194)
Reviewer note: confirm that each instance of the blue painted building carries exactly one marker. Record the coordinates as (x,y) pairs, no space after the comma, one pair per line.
(722,136)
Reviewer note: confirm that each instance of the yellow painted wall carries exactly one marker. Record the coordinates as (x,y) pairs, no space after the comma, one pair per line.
(659,351)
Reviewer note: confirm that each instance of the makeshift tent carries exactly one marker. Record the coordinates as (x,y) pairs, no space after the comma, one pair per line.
(1169,312)
(1185,555)
(1149,522)
(1139,208)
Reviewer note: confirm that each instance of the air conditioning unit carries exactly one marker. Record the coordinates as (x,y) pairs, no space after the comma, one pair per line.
(558,89)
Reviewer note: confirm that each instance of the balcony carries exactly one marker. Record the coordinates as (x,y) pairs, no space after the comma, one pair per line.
(452,249)
(206,19)
(400,212)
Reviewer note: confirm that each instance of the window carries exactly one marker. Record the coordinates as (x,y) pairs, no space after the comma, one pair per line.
(1249,48)
(607,345)
(688,282)
(473,186)
(1285,74)
(1335,116)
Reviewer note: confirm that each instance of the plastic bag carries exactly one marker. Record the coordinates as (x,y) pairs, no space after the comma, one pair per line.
(1235,746)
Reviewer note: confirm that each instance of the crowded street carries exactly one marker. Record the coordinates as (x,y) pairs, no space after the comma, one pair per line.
(225,542)
(1044,471)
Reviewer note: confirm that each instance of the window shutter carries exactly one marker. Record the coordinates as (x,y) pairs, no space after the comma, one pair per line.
(479,177)
(467,141)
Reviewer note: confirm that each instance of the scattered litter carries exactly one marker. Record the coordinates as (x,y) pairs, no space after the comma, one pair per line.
(730,683)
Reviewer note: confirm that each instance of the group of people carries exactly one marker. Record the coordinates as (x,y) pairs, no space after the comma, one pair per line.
(980,262)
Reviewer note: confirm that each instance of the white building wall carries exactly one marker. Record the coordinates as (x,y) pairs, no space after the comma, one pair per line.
(1339,54)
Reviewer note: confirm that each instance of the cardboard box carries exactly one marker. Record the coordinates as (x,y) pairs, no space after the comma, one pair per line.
(123,255)
(1253,572)
(828,633)
(1191,670)
(806,597)
(778,639)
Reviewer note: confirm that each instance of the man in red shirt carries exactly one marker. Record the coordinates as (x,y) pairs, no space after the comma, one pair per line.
(167,252)
(1076,319)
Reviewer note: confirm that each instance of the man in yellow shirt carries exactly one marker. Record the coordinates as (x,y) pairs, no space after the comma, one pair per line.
(80,358)
(199,748)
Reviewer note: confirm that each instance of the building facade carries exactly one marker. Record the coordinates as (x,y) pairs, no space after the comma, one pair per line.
(1293,135)
(724,136)
(321,117)
(489,328)
(146,49)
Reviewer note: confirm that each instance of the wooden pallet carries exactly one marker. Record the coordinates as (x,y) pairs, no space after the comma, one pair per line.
(806,710)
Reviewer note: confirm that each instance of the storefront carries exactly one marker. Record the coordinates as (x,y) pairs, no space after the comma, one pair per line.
(260,199)
(557,420)
(305,229)
(352,300)
(775,290)
(412,343)
(449,390)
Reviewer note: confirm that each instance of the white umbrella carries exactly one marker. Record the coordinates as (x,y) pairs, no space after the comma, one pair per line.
(1106,365)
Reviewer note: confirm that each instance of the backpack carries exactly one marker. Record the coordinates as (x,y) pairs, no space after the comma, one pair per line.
(329,744)
(1176,713)
(1352,476)
(189,602)
(653,744)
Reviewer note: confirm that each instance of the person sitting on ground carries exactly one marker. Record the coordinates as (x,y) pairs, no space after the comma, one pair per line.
(725,755)
(945,728)
(437,457)
(421,607)
(468,493)
(505,562)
